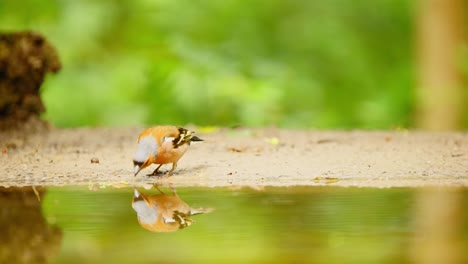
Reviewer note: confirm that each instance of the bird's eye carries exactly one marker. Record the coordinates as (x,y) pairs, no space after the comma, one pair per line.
(135,163)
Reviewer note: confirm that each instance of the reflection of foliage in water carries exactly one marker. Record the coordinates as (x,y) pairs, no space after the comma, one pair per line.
(25,235)
(275,225)
(293,63)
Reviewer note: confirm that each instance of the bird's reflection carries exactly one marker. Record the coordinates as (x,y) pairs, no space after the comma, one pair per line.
(163,212)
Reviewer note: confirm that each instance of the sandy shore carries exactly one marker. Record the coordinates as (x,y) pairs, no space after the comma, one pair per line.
(240,157)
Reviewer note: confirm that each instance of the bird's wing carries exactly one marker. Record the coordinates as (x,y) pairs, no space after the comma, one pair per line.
(184,137)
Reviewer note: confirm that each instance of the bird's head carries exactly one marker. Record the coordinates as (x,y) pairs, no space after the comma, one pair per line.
(138,166)
(145,154)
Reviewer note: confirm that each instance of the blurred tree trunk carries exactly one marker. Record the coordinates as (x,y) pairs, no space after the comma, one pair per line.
(440,91)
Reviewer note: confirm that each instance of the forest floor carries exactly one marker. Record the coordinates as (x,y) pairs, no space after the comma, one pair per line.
(240,157)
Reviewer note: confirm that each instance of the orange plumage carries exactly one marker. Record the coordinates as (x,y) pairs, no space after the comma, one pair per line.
(162,145)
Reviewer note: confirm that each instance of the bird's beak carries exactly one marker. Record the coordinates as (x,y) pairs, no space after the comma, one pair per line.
(136,193)
(137,169)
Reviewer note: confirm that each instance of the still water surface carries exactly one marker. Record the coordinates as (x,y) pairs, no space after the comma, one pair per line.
(222,225)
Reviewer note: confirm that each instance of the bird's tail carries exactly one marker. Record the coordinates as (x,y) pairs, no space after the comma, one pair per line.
(195,211)
(185,137)
(195,138)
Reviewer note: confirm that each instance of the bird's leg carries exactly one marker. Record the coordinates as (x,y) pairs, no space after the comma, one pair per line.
(174,166)
(174,192)
(157,188)
(156,171)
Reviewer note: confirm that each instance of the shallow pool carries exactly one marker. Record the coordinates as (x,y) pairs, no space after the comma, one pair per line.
(226,225)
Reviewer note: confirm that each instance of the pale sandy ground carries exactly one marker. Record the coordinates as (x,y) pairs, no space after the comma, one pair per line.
(241,157)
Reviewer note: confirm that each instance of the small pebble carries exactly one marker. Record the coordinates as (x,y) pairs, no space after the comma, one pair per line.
(94,160)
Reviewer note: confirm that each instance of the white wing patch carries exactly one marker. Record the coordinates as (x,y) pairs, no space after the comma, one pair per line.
(168,139)
(168,220)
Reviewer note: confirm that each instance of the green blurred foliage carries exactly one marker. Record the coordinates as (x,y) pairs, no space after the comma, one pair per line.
(298,63)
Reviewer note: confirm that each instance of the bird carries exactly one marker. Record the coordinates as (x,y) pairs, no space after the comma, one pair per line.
(162,145)
(163,212)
